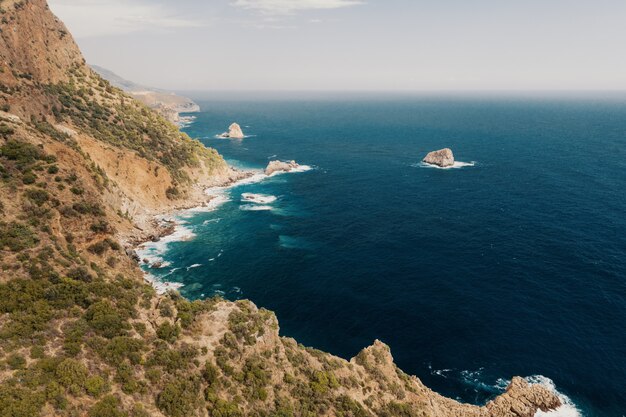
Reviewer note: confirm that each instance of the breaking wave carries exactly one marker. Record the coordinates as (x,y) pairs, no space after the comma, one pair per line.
(456,165)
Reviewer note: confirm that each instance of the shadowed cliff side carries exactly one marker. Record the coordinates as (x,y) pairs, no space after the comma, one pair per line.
(81,334)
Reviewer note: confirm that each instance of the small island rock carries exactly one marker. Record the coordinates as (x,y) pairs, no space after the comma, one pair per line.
(280,166)
(443,158)
(234,132)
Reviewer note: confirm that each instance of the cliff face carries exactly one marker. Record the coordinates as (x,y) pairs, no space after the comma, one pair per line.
(81,334)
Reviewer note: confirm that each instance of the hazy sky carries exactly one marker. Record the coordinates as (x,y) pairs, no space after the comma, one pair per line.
(355,45)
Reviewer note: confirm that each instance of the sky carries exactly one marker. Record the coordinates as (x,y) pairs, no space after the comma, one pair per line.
(362,45)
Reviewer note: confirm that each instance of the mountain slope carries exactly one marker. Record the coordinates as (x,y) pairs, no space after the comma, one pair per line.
(81,165)
(169,105)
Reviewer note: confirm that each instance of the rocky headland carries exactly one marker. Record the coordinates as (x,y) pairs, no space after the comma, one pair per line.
(442,158)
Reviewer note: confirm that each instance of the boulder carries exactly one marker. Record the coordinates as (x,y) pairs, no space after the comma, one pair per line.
(234,132)
(443,158)
(280,166)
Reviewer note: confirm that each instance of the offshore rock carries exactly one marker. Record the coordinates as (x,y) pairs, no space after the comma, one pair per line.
(280,166)
(443,158)
(234,132)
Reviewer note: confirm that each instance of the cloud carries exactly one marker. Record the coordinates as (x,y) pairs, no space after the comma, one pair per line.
(292,6)
(87,18)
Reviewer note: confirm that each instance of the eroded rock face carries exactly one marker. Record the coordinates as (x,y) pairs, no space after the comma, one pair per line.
(280,166)
(443,158)
(522,399)
(234,132)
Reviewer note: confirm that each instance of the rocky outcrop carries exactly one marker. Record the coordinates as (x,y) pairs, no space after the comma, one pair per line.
(234,132)
(280,166)
(442,158)
(522,399)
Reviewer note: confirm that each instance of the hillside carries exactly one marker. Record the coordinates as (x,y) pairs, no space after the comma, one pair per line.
(83,166)
(169,105)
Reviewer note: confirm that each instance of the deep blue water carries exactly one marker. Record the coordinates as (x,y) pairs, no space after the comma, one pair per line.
(513,266)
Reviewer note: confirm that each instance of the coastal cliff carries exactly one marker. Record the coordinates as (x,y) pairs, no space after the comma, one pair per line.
(83,167)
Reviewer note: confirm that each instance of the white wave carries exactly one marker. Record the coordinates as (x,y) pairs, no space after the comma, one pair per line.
(254,207)
(186,121)
(204,223)
(300,168)
(218,198)
(476,380)
(153,251)
(272,157)
(456,165)
(194,266)
(160,286)
(258,198)
(221,136)
(567,409)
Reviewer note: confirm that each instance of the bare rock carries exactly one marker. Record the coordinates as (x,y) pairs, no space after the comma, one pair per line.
(234,132)
(280,166)
(522,399)
(443,158)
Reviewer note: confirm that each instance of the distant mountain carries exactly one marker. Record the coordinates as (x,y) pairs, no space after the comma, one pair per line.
(119,82)
(170,105)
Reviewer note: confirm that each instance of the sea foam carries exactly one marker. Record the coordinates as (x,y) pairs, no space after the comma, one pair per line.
(567,409)
(456,165)
(476,380)
(255,207)
(258,198)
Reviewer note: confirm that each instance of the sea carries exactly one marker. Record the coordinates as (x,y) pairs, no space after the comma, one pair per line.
(511,262)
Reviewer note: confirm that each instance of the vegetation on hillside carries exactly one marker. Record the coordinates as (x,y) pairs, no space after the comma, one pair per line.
(107,114)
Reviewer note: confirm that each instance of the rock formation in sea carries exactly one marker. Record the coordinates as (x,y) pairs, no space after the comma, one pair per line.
(443,158)
(234,132)
(280,166)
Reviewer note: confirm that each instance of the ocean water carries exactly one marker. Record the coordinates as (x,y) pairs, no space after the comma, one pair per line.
(513,263)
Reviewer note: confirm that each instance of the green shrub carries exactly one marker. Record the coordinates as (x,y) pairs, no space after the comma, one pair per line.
(39,197)
(16,236)
(16,401)
(109,406)
(120,348)
(168,332)
(95,385)
(16,361)
(101,226)
(22,152)
(5,131)
(37,352)
(106,320)
(29,178)
(72,375)
(180,397)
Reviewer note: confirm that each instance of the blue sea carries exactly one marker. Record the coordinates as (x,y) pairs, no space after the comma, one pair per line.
(512,263)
